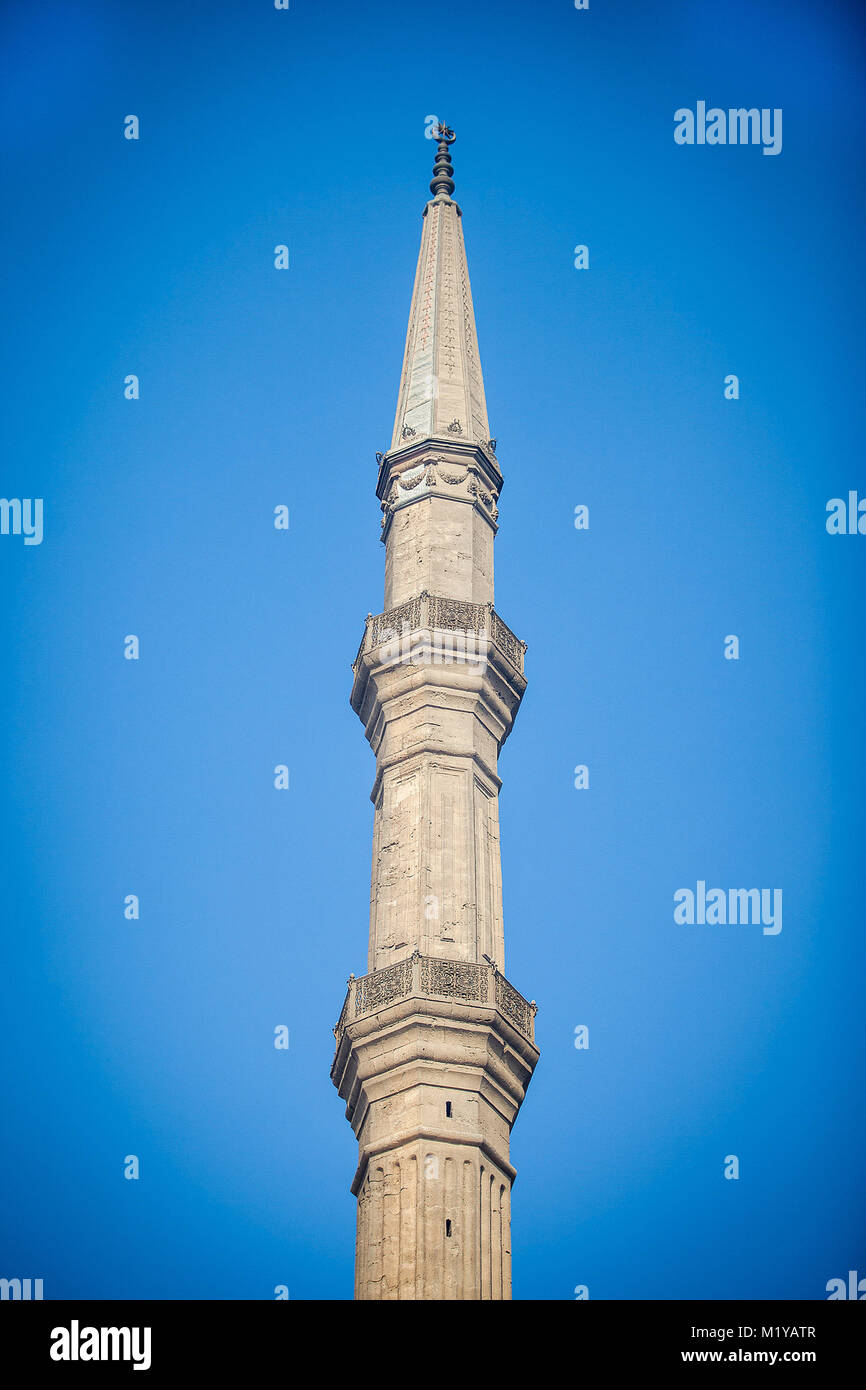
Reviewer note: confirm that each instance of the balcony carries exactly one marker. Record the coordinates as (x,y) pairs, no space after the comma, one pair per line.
(478,622)
(430,977)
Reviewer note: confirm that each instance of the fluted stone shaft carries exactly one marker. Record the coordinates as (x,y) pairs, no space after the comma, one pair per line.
(454,1243)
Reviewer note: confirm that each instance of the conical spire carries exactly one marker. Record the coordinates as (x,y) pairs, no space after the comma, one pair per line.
(441,388)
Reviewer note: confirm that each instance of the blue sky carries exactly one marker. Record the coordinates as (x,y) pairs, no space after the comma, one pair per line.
(260,387)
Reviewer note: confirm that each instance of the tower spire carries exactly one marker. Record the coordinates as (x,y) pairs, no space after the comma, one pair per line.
(441,387)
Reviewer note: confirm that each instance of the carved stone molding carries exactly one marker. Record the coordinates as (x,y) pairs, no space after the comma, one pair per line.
(433,475)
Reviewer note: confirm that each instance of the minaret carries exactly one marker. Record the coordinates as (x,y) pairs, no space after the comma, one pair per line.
(435,1048)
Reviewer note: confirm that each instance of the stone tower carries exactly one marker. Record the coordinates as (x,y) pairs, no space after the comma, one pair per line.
(435,1048)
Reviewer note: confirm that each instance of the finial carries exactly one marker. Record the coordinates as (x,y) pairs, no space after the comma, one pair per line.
(442,170)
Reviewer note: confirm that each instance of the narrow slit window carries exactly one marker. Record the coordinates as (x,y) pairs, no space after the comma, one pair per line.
(447,1228)
(448,1110)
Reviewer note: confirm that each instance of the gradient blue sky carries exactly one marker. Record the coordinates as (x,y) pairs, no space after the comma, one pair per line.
(261,387)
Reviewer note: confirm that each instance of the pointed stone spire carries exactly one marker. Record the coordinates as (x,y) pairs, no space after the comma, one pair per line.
(441,387)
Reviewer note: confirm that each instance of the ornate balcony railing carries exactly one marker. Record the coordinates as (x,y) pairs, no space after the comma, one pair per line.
(430,977)
(430,613)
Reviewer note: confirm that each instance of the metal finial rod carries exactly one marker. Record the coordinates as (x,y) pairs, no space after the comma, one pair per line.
(442,169)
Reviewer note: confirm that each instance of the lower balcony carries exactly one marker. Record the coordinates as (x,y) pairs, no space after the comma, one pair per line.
(430,977)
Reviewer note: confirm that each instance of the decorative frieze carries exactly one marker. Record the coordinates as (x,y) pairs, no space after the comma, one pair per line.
(432,475)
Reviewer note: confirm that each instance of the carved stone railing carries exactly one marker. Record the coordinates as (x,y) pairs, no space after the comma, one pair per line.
(430,977)
(515,1007)
(430,613)
(374,991)
(344,1014)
